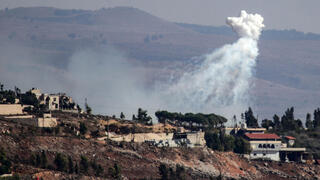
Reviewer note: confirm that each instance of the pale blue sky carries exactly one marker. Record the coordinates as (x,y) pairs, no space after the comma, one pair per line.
(302,15)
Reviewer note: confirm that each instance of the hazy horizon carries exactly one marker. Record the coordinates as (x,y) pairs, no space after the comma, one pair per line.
(287,14)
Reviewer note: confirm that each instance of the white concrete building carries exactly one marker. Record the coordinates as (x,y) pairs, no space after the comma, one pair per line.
(264,146)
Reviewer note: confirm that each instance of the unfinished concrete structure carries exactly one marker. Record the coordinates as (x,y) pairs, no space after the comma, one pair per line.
(57,101)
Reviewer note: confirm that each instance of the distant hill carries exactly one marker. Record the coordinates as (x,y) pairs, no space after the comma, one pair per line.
(287,69)
(291,34)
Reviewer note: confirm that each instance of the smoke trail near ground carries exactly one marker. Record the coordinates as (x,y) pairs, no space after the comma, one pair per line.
(222,82)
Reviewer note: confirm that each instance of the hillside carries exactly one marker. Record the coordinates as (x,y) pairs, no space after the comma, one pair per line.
(33,153)
(48,38)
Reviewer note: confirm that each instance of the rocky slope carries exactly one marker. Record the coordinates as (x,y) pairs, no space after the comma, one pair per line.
(137,161)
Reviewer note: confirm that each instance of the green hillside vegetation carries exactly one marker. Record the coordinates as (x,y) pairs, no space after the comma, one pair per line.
(306,135)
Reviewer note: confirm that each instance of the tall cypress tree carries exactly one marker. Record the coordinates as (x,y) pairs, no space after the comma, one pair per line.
(251,121)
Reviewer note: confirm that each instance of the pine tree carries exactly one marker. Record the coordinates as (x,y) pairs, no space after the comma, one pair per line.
(309,123)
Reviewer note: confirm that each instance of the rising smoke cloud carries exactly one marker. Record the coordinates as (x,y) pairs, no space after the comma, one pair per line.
(220,84)
(223,81)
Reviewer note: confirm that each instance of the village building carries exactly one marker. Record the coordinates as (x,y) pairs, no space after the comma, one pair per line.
(189,139)
(59,101)
(235,130)
(264,146)
(45,121)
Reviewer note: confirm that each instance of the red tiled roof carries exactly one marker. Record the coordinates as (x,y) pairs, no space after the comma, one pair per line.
(290,137)
(261,136)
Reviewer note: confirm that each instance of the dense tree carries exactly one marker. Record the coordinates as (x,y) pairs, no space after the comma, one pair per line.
(242,146)
(290,113)
(83,128)
(143,117)
(276,122)
(44,159)
(309,123)
(60,162)
(70,165)
(29,99)
(213,141)
(288,123)
(98,170)
(5,164)
(76,168)
(115,171)
(229,143)
(204,120)
(168,173)
(1,87)
(267,123)
(220,141)
(38,160)
(84,164)
(251,121)
(316,116)
(164,172)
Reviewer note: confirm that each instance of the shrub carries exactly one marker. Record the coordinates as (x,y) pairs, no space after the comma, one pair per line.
(83,128)
(5,164)
(115,171)
(84,164)
(60,162)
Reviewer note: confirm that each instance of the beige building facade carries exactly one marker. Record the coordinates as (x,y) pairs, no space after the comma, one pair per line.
(11,109)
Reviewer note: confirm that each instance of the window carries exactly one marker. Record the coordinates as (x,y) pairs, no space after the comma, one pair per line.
(264,154)
(272,146)
(264,146)
(268,145)
(255,154)
(260,145)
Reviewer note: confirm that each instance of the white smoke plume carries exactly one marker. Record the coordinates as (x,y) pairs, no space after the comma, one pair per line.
(112,84)
(247,25)
(222,82)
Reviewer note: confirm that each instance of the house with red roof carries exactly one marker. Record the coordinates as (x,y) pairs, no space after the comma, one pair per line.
(270,146)
(289,140)
(264,146)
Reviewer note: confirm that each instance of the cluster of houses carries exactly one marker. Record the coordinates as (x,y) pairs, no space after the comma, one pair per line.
(60,101)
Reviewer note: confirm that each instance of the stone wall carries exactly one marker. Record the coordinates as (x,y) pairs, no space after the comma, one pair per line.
(196,138)
(47,122)
(141,137)
(11,109)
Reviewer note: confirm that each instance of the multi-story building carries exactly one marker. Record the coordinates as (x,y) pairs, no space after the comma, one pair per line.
(54,101)
(264,146)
